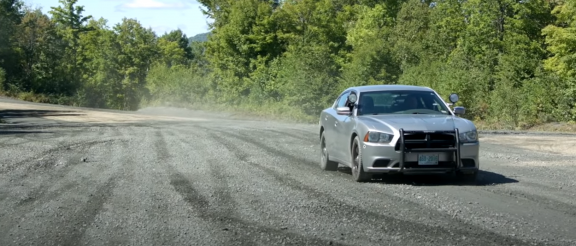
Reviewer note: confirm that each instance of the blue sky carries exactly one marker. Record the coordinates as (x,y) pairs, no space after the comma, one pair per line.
(160,15)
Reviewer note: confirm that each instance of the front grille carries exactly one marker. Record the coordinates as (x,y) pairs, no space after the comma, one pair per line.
(419,139)
(441,164)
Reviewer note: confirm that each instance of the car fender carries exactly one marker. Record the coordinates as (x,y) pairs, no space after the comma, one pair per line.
(464,125)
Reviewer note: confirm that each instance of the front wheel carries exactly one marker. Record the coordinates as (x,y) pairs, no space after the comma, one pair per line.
(325,163)
(358,172)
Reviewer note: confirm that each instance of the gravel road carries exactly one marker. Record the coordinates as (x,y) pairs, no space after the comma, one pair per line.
(68,178)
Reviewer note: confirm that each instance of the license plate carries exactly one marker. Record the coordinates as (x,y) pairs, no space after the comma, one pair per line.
(428,159)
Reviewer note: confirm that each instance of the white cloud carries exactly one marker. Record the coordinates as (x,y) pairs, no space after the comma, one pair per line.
(154,4)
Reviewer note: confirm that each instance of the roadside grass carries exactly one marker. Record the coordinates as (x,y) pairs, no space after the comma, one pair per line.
(39,98)
(556,127)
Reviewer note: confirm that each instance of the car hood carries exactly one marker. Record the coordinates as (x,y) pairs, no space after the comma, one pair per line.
(415,122)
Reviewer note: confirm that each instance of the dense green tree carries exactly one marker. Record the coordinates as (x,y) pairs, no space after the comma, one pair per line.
(41,52)
(11,13)
(512,62)
(70,24)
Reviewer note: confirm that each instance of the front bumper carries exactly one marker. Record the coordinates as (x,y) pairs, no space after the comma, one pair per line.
(401,156)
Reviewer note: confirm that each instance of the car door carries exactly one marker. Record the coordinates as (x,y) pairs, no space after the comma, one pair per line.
(344,128)
(340,134)
(330,126)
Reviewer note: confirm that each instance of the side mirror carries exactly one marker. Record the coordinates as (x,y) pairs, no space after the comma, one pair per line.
(453,98)
(343,111)
(459,110)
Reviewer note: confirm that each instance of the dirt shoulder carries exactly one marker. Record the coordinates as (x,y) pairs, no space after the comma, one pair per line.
(556,144)
(70,114)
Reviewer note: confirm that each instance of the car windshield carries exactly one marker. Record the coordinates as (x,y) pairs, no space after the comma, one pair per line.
(401,102)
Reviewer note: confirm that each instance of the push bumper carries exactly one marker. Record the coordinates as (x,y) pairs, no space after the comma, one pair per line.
(402,155)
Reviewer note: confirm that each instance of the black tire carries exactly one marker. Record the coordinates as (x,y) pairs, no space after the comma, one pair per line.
(358,173)
(325,163)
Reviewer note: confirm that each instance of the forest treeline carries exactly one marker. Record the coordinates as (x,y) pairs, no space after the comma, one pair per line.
(513,62)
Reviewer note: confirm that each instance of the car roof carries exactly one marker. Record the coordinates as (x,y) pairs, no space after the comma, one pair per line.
(367,88)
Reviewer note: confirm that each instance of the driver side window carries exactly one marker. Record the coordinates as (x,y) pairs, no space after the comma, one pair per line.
(342,100)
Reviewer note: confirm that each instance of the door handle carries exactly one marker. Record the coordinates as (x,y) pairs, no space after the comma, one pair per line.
(336,124)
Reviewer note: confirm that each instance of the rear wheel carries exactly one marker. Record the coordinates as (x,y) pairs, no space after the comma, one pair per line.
(357,168)
(325,163)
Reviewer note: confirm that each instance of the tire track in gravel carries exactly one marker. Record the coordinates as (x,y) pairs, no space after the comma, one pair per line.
(536,199)
(193,197)
(524,200)
(393,225)
(219,168)
(46,153)
(41,196)
(306,137)
(85,217)
(558,190)
(301,161)
(183,186)
(162,234)
(243,229)
(76,148)
(33,133)
(521,217)
(7,167)
(315,134)
(3,196)
(123,221)
(222,192)
(245,138)
(19,139)
(124,174)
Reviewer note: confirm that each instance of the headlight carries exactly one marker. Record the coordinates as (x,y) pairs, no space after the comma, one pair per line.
(470,136)
(378,137)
